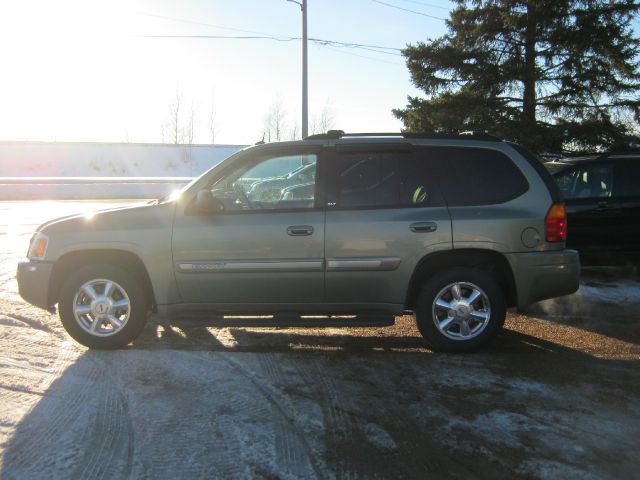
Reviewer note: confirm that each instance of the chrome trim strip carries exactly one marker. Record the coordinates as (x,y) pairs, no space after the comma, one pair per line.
(233,266)
(360,264)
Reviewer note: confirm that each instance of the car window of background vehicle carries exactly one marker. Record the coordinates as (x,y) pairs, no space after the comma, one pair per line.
(269,184)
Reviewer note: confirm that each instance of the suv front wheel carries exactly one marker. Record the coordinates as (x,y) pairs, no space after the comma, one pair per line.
(460,309)
(102,306)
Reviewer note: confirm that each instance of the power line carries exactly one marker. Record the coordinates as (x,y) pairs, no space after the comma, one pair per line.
(363,46)
(427,4)
(224,37)
(360,56)
(193,22)
(320,41)
(407,10)
(259,35)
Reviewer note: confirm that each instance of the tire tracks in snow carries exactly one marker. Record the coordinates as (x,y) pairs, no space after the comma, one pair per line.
(287,430)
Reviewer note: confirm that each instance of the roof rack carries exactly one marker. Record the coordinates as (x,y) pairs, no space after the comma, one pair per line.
(475,135)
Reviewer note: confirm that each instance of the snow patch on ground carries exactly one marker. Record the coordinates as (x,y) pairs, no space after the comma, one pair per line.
(551,470)
(621,291)
(497,426)
(379,437)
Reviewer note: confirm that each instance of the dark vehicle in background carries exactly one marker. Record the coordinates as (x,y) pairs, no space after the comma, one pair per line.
(269,188)
(602,198)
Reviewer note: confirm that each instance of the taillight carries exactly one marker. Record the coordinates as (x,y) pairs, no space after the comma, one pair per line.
(556,223)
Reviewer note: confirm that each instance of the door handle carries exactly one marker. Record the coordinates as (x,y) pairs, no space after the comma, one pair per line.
(603,205)
(423,227)
(299,230)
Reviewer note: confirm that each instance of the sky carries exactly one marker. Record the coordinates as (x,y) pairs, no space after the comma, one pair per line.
(83,70)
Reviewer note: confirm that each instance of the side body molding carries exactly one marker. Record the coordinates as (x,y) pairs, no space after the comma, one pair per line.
(237,266)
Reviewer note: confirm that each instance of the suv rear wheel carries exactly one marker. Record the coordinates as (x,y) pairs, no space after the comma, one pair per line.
(102,306)
(460,310)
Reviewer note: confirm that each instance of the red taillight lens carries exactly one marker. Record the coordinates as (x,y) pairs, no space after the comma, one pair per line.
(556,223)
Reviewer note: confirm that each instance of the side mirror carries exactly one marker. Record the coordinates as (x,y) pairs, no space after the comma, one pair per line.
(207,203)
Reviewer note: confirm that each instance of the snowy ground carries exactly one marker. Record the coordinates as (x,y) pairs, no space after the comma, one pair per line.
(556,396)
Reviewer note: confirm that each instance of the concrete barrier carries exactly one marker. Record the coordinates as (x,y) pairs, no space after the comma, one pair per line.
(73,188)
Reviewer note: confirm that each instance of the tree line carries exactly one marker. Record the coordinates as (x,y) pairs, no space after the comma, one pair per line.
(278,124)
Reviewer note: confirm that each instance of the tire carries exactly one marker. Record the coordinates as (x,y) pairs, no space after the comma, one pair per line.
(118,324)
(484,316)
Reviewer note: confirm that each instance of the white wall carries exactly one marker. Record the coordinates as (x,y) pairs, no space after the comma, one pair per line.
(62,159)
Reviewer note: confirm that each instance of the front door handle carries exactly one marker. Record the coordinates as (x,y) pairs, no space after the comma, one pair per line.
(299,230)
(423,227)
(603,205)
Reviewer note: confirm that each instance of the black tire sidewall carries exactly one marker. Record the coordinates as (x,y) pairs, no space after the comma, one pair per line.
(424,304)
(138,304)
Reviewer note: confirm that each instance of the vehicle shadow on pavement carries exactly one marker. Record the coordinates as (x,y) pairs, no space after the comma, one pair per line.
(172,406)
(526,335)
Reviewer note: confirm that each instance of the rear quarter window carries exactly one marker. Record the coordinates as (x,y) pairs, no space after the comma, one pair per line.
(627,179)
(475,176)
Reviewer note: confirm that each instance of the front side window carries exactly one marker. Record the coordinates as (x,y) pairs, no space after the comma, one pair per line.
(272,183)
(565,181)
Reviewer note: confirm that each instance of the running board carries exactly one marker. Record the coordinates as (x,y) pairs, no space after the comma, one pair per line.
(290,320)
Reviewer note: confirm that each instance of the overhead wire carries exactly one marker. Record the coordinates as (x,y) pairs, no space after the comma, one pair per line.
(257,35)
(204,24)
(319,41)
(360,56)
(425,4)
(408,10)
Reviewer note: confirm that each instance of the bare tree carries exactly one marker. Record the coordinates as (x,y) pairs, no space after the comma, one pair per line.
(179,126)
(188,132)
(171,129)
(323,121)
(294,129)
(213,114)
(327,118)
(274,123)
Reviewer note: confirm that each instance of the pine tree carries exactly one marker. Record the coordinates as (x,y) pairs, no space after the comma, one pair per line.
(553,75)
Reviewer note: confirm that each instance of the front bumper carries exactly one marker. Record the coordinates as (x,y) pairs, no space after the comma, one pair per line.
(33,282)
(542,275)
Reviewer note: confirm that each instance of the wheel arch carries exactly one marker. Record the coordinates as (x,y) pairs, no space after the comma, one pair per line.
(122,258)
(488,260)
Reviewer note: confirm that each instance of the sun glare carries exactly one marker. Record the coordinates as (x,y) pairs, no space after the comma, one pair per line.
(70,59)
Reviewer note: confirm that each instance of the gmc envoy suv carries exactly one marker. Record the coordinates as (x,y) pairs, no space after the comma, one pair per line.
(333,230)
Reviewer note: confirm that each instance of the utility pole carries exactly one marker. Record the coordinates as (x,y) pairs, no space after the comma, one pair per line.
(305,90)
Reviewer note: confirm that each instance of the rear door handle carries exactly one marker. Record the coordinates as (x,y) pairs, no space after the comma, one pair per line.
(423,227)
(603,205)
(300,230)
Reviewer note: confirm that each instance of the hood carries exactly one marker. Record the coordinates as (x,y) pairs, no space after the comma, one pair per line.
(91,214)
(118,218)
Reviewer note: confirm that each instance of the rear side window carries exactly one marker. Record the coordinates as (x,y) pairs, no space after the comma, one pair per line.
(475,176)
(627,181)
(382,180)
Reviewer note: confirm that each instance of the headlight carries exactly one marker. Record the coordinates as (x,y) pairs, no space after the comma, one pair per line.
(38,247)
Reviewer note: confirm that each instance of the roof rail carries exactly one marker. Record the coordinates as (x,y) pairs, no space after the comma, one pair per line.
(601,155)
(475,135)
(331,134)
